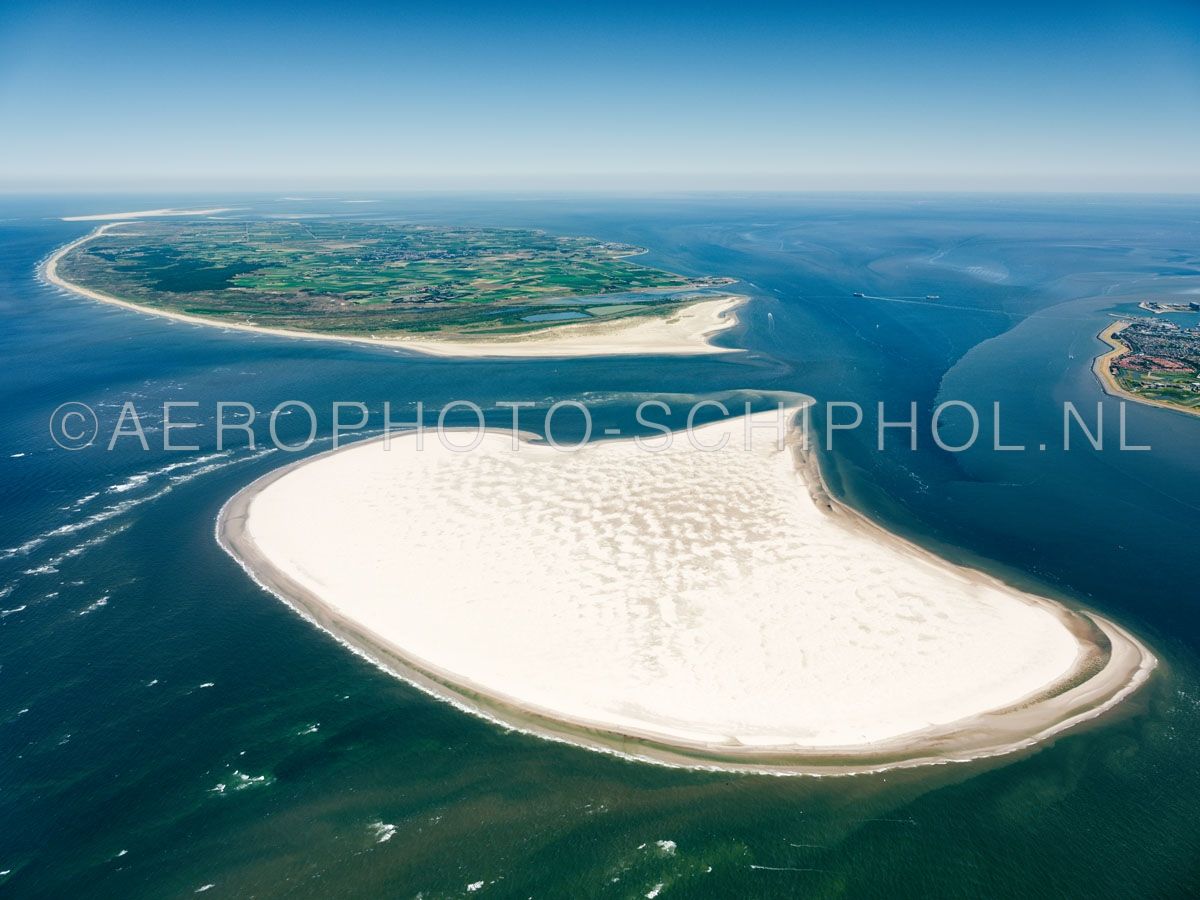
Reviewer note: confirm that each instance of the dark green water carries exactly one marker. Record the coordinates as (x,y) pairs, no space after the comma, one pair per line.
(112,747)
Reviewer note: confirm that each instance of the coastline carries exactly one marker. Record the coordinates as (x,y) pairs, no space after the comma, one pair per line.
(165,212)
(1102,368)
(1110,665)
(684,332)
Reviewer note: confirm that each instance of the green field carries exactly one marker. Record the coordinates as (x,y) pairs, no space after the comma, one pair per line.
(373,278)
(1175,388)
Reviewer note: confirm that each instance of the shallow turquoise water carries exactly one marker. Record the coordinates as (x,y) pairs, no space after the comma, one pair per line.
(111,741)
(554,316)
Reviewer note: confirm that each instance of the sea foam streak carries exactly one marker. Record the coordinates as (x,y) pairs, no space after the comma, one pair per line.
(187,470)
(95,605)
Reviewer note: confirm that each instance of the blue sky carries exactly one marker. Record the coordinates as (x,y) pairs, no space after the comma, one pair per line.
(1056,96)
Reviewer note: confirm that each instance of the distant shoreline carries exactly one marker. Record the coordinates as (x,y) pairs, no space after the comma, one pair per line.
(1102,368)
(165,212)
(1110,665)
(682,332)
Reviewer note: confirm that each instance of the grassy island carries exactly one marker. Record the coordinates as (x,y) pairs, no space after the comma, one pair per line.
(342,278)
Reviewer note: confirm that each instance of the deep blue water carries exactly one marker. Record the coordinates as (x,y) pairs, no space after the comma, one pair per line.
(112,747)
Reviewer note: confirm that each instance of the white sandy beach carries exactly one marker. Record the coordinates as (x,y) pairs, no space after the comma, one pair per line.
(685,332)
(147,214)
(702,601)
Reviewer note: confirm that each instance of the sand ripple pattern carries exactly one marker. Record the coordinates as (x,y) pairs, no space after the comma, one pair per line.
(697,595)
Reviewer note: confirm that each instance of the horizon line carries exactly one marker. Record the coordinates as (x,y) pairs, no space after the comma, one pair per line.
(234,187)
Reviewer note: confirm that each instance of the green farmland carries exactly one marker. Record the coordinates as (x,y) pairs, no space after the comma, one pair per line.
(373,278)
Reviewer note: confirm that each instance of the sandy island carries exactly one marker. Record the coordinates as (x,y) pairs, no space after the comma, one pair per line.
(148,213)
(1102,367)
(684,332)
(707,609)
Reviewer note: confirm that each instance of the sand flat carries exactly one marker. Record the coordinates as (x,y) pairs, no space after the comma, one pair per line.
(707,605)
(148,213)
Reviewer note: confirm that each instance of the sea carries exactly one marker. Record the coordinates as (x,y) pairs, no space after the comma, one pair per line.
(168,728)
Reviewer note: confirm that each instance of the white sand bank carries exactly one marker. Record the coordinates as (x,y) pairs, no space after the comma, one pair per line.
(147,213)
(684,606)
(684,332)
